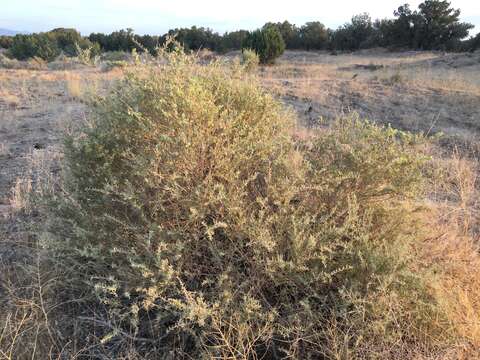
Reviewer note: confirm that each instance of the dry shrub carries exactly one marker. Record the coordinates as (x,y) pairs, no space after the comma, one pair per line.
(191,224)
(29,282)
(32,64)
(7,63)
(64,63)
(250,60)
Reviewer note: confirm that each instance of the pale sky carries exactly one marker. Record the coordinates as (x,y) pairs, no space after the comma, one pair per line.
(158,16)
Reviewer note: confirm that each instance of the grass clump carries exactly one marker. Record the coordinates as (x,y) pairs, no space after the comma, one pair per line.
(250,60)
(194,225)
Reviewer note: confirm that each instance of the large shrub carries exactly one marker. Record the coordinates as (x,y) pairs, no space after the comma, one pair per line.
(43,46)
(195,226)
(267,43)
(69,40)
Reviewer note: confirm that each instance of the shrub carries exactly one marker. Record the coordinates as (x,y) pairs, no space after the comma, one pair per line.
(314,36)
(194,226)
(358,34)
(88,55)
(7,63)
(472,44)
(291,34)
(41,45)
(6,42)
(233,40)
(267,43)
(69,40)
(48,46)
(250,59)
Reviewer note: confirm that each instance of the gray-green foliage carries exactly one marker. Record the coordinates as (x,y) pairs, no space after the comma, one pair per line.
(196,227)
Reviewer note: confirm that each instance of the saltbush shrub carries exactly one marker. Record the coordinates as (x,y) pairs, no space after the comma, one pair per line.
(267,43)
(196,226)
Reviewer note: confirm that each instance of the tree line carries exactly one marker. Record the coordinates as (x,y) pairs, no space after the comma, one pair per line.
(435,25)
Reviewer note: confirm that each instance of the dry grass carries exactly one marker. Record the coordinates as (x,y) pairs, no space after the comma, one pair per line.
(454,249)
(417,92)
(74,86)
(9,100)
(426,77)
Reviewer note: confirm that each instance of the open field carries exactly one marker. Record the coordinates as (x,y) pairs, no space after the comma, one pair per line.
(423,92)
(413,91)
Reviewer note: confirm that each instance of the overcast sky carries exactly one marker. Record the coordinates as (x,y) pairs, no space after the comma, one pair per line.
(157,16)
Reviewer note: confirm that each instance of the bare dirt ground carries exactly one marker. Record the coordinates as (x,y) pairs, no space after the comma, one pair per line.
(417,91)
(37,107)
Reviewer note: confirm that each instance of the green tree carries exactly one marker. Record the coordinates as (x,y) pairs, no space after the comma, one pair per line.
(149,42)
(67,39)
(267,43)
(440,26)
(358,34)
(41,45)
(290,34)
(234,40)
(403,28)
(314,36)
(472,44)
(196,38)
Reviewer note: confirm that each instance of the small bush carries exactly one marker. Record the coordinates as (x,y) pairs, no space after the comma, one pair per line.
(250,60)
(267,43)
